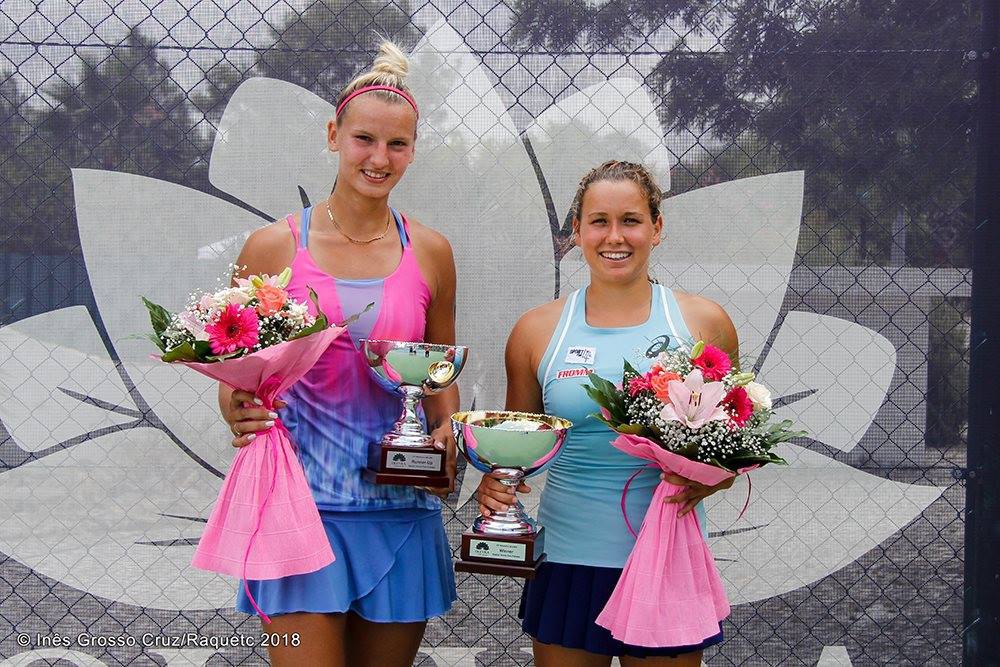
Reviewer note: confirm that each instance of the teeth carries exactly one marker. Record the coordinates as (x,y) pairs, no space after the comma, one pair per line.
(615,255)
(374,174)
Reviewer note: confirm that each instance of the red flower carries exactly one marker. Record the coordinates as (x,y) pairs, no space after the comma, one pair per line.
(637,384)
(658,383)
(714,363)
(236,327)
(738,406)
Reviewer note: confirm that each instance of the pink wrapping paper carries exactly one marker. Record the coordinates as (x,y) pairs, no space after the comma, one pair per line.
(265,524)
(670,592)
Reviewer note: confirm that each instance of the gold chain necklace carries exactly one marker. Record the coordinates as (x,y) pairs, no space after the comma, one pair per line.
(388,219)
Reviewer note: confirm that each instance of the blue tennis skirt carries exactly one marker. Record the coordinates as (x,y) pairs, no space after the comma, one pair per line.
(561,604)
(392,566)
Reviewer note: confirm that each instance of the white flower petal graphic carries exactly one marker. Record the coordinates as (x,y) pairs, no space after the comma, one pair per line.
(734,243)
(184,657)
(834,656)
(271,140)
(472,180)
(453,656)
(811,519)
(148,244)
(614,119)
(45,384)
(116,516)
(849,366)
(51,655)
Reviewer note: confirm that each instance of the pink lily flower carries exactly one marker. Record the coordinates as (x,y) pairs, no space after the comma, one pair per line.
(694,402)
(193,325)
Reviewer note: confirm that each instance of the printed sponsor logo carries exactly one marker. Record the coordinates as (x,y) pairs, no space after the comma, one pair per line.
(573,373)
(581,355)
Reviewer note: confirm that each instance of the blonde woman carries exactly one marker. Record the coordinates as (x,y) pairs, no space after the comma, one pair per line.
(393,566)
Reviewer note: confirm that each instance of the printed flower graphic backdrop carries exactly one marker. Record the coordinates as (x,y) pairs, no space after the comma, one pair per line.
(109,506)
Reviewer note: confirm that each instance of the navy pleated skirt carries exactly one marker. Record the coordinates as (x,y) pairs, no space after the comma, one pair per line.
(560,606)
(392,566)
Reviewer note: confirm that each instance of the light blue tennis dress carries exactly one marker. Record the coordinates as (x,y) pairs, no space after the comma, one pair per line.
(581,502)
(586,539)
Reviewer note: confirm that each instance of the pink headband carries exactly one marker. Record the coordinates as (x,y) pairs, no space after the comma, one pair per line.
(368,89)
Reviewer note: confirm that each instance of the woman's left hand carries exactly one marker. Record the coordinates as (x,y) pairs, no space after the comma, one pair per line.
(444,440)
(693,493)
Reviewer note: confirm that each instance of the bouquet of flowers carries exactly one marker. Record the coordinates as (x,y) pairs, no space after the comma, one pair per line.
(694,416)
(254,337)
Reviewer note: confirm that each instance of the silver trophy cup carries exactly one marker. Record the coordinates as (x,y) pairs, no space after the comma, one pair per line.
(512,446)
(411,371)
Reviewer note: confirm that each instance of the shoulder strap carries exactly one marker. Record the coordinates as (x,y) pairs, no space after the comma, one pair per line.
(569,312)
(402,226)
(666,299)
(294,228)
(306,214)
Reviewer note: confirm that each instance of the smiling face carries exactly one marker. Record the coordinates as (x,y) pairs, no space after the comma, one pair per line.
(616,231)
(375,140)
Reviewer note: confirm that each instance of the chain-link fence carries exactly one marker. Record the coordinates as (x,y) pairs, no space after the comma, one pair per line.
(820,158)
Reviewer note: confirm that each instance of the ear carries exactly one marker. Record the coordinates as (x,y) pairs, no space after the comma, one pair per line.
(658,230)
(331,135)
(576,231)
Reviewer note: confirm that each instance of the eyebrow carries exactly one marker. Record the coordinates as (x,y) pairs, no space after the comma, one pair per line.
(362,130)
(627,213)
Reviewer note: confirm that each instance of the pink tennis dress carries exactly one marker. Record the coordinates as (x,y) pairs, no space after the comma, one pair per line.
(393,559)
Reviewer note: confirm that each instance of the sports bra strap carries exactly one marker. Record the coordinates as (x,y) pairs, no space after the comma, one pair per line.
(306,214)
(294,228)
(402,226)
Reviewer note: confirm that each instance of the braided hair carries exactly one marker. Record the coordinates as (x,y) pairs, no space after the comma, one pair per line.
(618,170)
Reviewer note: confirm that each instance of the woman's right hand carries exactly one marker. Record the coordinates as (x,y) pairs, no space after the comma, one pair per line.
(494,496)
(246,417)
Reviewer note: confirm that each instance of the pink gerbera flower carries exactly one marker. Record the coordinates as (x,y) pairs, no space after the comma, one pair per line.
(738,405)
(236,328)
(713,362)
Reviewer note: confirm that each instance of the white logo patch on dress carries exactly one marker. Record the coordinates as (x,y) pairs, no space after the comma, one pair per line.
(581,355)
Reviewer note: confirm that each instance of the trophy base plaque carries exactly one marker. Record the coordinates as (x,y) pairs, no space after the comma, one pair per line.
(408,466)
(508,555)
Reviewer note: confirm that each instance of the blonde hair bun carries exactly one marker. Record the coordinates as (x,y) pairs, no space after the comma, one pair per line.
(390,69)
(391,61)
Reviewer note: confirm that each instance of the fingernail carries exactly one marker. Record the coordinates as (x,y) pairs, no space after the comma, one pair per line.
(258,401)
(438,445)
(505,508)
(269,423)
(272,415)
(251,436)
